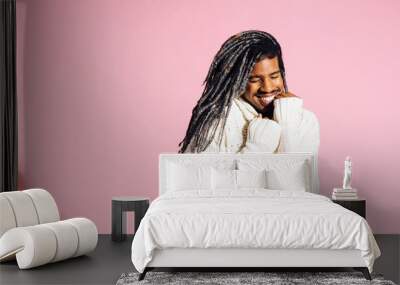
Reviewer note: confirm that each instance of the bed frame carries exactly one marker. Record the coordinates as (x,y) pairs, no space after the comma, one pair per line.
(249,258)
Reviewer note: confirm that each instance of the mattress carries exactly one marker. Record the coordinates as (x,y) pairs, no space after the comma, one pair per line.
(251,219)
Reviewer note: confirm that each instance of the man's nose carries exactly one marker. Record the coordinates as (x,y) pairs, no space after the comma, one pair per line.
(267,86)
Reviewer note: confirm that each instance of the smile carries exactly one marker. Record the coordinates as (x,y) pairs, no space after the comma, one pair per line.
(265,100)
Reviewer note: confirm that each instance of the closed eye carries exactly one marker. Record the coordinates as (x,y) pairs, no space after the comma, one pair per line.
(257,78)
(275,75)
(254,79)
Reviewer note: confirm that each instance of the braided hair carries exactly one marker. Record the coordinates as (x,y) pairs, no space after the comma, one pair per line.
(226,79)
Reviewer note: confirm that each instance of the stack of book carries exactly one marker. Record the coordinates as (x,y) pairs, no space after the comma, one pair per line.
(344,194)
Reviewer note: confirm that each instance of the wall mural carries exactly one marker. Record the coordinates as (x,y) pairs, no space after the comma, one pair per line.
(246,105)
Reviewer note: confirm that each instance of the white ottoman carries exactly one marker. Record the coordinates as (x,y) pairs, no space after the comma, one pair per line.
(31,232)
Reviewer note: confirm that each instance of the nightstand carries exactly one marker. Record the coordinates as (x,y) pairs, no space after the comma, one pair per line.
(121,205)
(357,206)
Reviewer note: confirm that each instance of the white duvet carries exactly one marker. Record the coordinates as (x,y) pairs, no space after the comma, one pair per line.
(251,218)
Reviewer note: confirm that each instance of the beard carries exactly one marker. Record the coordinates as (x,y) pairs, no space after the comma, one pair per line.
(268,111)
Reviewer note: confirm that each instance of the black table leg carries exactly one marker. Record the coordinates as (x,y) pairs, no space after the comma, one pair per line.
(118,222)
(121,205)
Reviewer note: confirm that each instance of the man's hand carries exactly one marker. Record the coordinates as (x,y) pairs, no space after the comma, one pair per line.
(289,110)
(285,95)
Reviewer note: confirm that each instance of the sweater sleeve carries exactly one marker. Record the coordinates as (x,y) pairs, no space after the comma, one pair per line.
(259,135)
(300,127)
(262,136)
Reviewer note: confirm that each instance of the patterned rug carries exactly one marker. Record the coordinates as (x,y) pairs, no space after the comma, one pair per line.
(269,278)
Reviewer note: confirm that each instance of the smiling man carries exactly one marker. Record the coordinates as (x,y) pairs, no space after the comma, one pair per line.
(246,105)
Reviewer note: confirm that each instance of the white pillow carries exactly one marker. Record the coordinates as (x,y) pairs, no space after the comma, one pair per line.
(223,179)
(288,174)
(251,178)
(187,177)
(293,179)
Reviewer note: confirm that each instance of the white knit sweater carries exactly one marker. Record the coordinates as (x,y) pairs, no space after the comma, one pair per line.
(293,129)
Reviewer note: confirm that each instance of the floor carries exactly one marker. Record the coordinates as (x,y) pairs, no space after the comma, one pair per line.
(111,259)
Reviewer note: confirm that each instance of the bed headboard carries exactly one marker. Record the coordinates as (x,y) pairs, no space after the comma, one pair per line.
(231,159)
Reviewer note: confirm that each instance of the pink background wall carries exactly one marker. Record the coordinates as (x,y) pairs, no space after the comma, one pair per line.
(105,86)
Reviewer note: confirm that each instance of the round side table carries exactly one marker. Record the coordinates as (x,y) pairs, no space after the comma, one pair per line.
(121,205)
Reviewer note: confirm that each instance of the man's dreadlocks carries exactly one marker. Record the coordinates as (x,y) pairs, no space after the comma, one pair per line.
(226,79)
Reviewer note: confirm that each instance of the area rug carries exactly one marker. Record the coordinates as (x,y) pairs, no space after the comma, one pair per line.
(269,278)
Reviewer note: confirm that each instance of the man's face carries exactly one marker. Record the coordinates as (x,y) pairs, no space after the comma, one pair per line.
(265,82)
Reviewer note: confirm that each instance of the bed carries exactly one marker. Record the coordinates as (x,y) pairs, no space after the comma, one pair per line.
(245,211)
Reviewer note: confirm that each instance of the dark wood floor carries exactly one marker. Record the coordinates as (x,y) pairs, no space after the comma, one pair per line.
(111,259)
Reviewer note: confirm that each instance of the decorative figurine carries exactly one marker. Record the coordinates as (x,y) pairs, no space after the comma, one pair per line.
(347,173)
